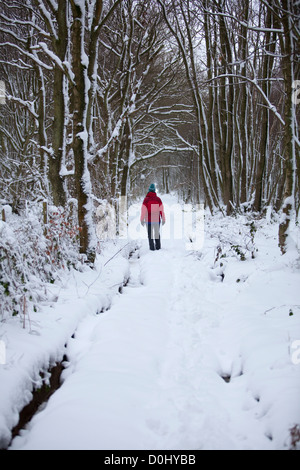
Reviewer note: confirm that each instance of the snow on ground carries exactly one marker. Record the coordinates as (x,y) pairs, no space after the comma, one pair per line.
(201,350)
(35,344)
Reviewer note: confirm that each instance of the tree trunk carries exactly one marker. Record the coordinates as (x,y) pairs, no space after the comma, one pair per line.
(227,112)
(289,142)
(80,134)
(210,51)
(270,46)
(244,107)
(59,147)
(125,152)
(55,161)
(42,128)
(92,69)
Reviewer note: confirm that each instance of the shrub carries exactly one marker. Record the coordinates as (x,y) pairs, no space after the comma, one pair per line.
(31,255)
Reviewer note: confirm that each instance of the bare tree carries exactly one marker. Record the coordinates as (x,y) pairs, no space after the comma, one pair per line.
(180,21)
(100,93)
(286,13)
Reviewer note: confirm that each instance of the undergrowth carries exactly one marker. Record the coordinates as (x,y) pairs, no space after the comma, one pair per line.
(32,255)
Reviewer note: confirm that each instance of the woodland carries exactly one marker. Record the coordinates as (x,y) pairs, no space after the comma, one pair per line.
(194,346)
(99,98)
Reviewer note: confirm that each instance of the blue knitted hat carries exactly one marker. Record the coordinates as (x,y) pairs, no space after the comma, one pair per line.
(152,188)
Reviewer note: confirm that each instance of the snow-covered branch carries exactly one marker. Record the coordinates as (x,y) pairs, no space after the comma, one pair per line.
(256,85)
(30,56)
(29,105)
(166,149)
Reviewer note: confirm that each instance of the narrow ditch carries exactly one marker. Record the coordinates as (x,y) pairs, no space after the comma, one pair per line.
(226,378)
(40,396)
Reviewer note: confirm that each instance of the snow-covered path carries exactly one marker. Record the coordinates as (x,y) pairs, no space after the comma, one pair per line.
(106,399)
(149,372)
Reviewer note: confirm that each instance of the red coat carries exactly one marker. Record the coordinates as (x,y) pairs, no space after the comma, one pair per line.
(152,209)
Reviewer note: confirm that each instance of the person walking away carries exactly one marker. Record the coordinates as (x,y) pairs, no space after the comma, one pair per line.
(152,215)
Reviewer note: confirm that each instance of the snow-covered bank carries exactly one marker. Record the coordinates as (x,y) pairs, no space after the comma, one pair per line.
(115,362)
(239,328)
(149,372)
(35,343)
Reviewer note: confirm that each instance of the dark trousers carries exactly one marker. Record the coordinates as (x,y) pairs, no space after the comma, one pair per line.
(154,236)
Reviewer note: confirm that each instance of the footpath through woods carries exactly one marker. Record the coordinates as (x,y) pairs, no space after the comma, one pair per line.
(194,353)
